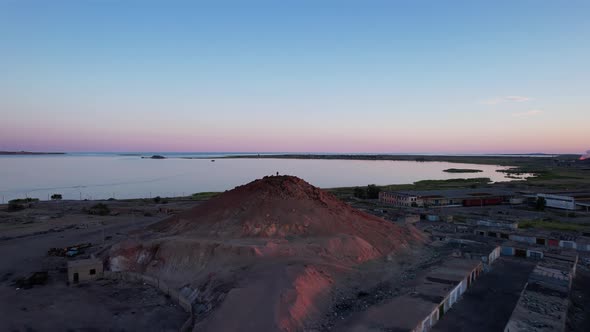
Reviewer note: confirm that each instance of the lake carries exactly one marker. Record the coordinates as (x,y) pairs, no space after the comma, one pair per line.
(103,176)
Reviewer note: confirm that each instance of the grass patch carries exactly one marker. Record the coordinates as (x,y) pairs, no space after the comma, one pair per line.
(441,184)
(204,195)
(552,225)
(345,192)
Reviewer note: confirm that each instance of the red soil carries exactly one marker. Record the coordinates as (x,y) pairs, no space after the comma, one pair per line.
(279,240)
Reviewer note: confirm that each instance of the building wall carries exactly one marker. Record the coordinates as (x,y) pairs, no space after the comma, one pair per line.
(523,238)
(535,254)
(516,200)
(409,219)
(438,201)
(432,217)
(398,199)
(85,272)
(507,251)
(494,255)
(568,244)
(491,223)
(559,202)
(483,201)
(449,300)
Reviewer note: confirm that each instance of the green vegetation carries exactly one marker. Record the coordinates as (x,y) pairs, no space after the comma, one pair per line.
(552,225)
(540,204)
(12,206)
(359,192)
(450,183)
(20,204)
(99,209)
(23,200)
(345,192)
(204,195)
(462,170)
(56,197)
(371,191)
(160,200)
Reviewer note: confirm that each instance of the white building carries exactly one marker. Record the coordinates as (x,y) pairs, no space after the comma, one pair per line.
(559,201)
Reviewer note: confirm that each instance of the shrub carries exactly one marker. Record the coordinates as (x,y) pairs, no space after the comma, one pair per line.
(99,209)
(540,204)
(373,191)
(360,192)
(12,206)
(23,200)
(157,199)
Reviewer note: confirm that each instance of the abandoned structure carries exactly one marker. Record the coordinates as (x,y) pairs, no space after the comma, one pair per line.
(434,296)
(539,238)
(457,197)
(567,200)
(84,270)
(543,304)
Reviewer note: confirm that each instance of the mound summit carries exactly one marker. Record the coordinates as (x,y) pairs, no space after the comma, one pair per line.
(264,255)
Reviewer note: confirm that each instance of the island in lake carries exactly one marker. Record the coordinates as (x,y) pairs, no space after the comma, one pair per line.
(156,156)
(462,170)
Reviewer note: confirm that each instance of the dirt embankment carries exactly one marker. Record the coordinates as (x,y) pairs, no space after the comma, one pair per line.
(263,256)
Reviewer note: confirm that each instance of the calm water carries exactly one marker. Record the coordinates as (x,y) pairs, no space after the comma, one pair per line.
(103,176)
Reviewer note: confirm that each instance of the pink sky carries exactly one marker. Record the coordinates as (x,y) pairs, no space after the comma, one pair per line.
(402,141)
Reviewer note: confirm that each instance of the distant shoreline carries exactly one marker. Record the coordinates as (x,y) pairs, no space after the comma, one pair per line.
(501,160)
(27,153)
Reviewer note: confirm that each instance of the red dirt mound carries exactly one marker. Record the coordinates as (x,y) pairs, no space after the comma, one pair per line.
(264,255)
(284,207)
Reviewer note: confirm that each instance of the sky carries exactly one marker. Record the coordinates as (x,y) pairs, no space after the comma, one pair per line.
(295,76)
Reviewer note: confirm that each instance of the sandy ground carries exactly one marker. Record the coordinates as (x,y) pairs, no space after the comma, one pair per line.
(102,305)
(25,237)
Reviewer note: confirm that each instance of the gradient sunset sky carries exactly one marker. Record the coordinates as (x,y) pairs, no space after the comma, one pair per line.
(295,76)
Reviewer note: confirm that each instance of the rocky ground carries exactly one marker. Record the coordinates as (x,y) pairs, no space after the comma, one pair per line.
(579,309)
